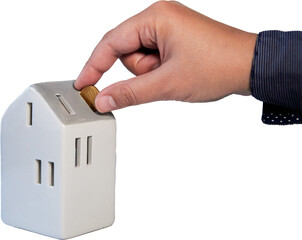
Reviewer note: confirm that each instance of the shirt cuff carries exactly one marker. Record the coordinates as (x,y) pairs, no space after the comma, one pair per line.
(276,76)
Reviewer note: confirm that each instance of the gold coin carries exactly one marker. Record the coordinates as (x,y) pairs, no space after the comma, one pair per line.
(89,94)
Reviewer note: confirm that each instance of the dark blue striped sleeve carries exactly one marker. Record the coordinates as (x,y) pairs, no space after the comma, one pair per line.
(276,76)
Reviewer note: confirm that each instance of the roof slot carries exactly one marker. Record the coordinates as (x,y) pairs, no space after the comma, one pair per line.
(65,104)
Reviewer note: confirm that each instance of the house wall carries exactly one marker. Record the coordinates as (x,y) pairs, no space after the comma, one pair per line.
(31,166)
(89,180)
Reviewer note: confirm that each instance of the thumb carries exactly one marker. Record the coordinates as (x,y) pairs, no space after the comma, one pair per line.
(145,88)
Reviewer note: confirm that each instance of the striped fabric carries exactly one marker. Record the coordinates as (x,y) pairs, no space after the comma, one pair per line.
(276,76)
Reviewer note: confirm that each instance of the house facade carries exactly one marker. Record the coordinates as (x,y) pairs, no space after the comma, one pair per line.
(57,163)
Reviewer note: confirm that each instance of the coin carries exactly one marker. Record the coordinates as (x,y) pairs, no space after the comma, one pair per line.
(89,94)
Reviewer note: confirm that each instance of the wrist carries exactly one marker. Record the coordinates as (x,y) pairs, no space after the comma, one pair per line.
(247,53)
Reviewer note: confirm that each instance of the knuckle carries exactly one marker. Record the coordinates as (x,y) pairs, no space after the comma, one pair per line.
(162,6)
(126,96)
(165,11)
(165,90)
(168,92)
(173,88)
(107,35)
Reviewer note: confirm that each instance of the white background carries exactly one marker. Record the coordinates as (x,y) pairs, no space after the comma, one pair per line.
(184,171)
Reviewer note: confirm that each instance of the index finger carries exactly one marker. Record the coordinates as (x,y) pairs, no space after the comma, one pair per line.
(123,39)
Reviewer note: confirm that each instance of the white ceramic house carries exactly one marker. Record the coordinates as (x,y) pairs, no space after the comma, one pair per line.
(57,163)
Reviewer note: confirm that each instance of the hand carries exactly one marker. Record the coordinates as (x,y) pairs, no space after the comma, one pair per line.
(176,54)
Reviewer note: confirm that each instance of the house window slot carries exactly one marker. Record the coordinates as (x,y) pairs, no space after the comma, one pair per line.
(65,104)
(77,151)
(89,149)
(51,174)
(38,171)
(29,114)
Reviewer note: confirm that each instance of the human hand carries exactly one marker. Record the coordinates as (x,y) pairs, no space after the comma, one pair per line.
(176,54)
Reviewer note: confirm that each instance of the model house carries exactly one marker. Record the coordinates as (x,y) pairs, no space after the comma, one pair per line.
(57,163)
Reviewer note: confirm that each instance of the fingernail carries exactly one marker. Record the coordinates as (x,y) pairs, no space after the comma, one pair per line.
(75,85)
(105,104)
(76,82)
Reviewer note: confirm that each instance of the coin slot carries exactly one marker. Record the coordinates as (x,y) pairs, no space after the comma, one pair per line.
(65,104)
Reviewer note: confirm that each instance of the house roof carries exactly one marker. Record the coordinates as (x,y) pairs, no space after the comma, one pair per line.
(66,102)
